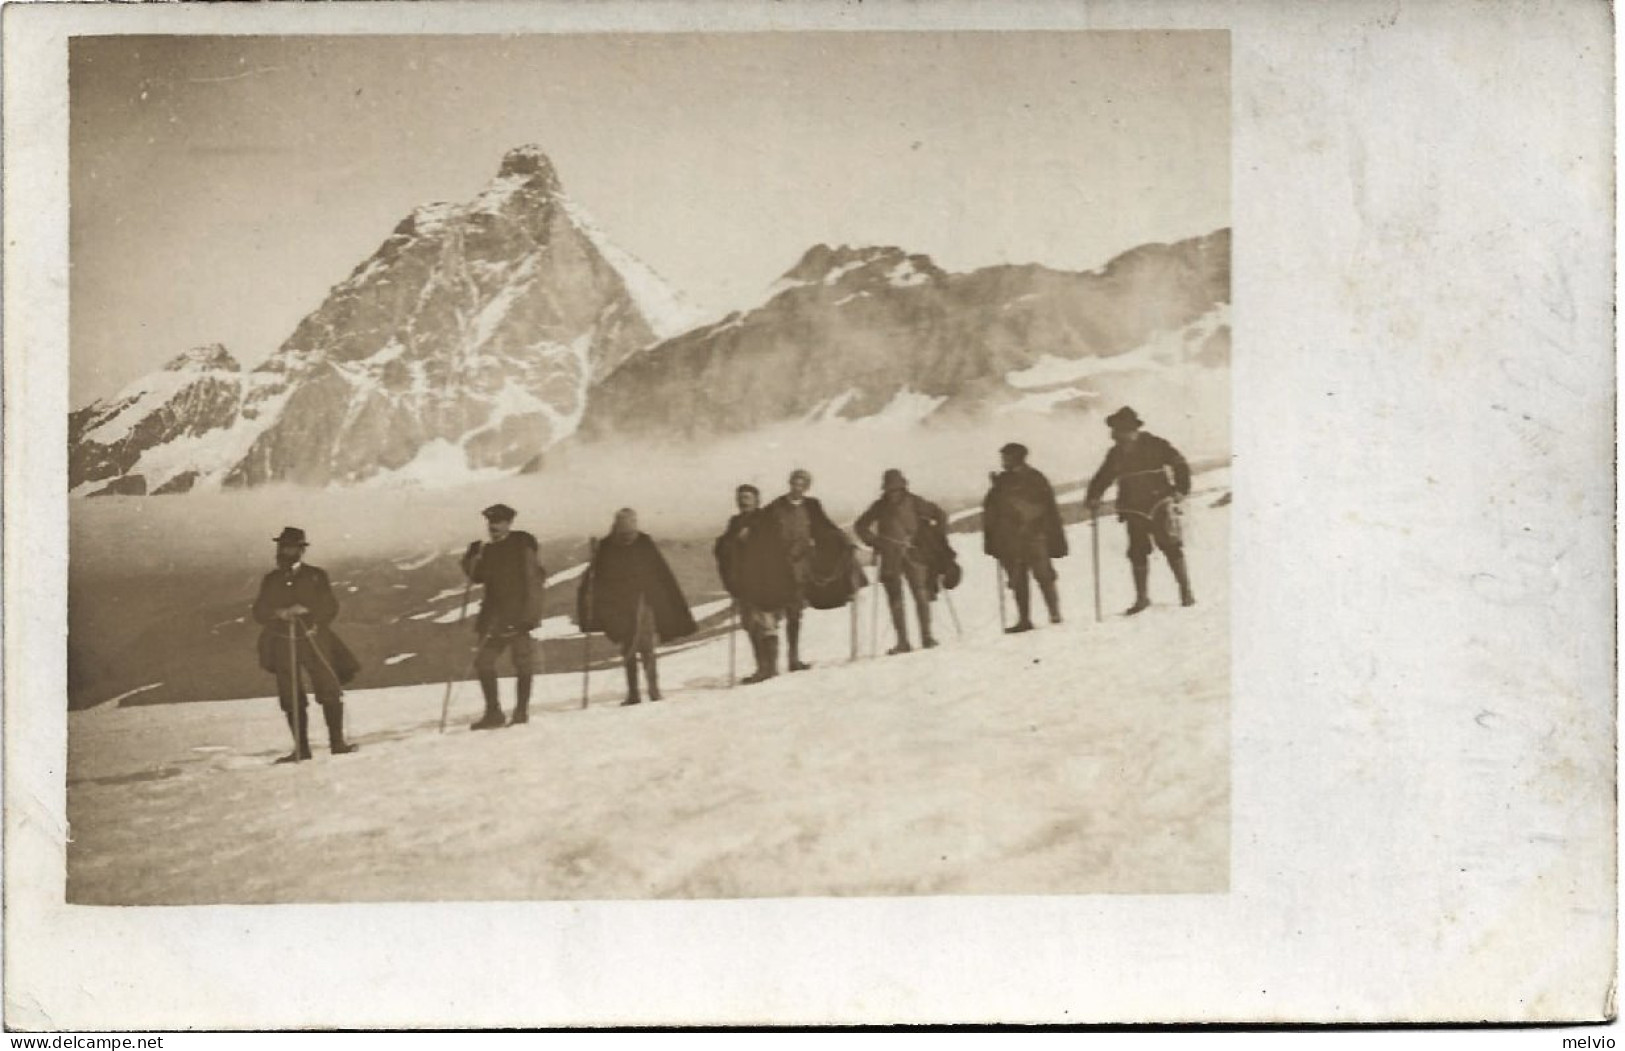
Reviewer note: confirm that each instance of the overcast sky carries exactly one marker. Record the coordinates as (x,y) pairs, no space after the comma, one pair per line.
(221,185)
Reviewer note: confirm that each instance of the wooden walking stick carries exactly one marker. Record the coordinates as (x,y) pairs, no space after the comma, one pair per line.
(1094,537)
(959,630)
(733,637)
(874,613)
(295,688)
(462,613)
(998,570)
(445,701)
(852,607)
(586,623)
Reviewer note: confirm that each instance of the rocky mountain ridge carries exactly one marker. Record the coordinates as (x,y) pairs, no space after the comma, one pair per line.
(466,342)
(480,334)
(858,333)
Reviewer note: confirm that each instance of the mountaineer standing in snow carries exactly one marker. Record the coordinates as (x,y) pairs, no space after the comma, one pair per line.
(810,540)
(909,533)
(295,605)
(510,609)
(1021,527)
(755,570)
(1148,500)
(635,600)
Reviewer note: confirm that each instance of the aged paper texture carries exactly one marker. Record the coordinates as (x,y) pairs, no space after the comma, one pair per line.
(1352,264)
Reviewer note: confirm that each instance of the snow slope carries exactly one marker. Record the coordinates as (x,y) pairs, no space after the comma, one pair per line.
(662,306)
(1082,758)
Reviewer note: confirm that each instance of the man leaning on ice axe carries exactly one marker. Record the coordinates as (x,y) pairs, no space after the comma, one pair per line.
(295,605)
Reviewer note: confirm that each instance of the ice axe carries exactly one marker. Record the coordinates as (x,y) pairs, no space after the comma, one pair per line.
(959,631)
(295,688)
(586,622)
(874,613)
(733,643)
(462,612)
(1094,547)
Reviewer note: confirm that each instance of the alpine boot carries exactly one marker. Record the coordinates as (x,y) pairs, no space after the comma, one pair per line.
(299,723)
(923,609)
(521,708)
(756,653)
(792,631)
(1142,573)
(1176,562)
(493,718)
(899,621)
(631,683)
(651,674)
(333,714)
(1024,602)
(1052,600)
(766,648)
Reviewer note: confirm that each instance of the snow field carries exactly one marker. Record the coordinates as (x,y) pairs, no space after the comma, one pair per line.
(1082,758)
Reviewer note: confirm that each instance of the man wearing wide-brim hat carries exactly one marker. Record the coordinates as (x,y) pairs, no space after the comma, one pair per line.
(1152,477)
(910,534)
(296,607)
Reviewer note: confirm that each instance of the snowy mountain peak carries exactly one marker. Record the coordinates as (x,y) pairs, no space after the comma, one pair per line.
(208,356)
(875,333)
(527,160)
(820,261)
(466,343)
(850,267)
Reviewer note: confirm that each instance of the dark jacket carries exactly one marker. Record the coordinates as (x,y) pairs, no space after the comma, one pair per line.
(305,586)
(1019,508)
(753,563)
(1141,472)
(825,534)
(909,529)
(621,574)
(513,582)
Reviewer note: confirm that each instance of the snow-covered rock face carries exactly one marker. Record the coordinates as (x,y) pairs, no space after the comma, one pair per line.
(473,333)
(191,405)
(878,334)
(480,334)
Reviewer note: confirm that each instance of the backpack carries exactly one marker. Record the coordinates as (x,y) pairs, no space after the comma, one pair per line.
(836,576)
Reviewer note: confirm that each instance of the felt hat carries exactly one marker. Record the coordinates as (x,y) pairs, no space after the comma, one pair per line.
(499,513)
(291,535)
(1124,419)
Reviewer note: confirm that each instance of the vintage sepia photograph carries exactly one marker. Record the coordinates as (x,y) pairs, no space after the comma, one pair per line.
(728,514)
(648,466)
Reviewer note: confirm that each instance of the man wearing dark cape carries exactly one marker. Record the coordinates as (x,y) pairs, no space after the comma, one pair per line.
(1021,527)
(755,570)
(810,538)
(630,594)
(296,607)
